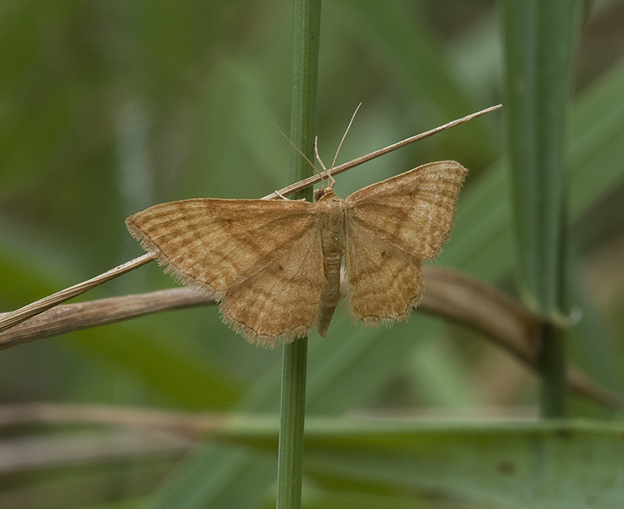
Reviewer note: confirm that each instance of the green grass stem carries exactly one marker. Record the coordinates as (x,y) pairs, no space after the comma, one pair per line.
(302,130)
(539,46)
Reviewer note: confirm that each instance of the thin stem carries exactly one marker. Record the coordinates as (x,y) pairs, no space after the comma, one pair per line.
(292,419)
(552,366)
(307,16)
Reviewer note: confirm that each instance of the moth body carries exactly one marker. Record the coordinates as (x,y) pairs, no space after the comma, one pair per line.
(331,211)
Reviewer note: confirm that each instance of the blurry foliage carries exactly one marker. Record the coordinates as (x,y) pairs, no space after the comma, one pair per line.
(108,107)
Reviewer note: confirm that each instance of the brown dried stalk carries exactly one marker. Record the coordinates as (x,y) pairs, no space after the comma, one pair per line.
(9,320)
(449,294)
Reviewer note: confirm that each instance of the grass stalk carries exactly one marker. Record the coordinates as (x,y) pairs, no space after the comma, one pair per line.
(294,361)
(539,43)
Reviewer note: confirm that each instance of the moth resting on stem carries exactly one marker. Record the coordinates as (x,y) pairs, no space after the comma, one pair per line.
(274,265)
(18,316)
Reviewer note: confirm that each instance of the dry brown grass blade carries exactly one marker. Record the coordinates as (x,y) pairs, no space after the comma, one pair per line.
(190,425)
(8,320)
(466,301)
(302,184)
(449,294)
(73,317)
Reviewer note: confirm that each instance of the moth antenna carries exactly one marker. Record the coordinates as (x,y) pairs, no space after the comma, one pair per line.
(298,150)
(325,170)
(316,153)
(345,135)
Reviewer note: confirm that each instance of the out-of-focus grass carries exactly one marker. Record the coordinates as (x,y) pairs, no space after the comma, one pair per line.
(108,107)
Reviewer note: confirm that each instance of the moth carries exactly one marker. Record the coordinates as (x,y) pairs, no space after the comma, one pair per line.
(274,265)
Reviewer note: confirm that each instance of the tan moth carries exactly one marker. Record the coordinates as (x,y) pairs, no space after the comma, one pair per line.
(274,265)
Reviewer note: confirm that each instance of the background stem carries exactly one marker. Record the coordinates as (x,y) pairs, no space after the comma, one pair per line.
(539,45)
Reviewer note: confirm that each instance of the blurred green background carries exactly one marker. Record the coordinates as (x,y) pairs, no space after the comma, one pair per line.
(107,107)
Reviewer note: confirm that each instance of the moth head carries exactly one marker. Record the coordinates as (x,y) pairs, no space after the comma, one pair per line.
(322,193)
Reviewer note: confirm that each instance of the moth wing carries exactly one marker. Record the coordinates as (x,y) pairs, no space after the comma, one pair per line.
(384,282)
(413,211)
(281,302)
(216,244)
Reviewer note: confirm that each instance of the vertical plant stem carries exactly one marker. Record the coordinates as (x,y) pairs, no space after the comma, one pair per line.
(307,15)
(292,418)
(552,368)
(539,43)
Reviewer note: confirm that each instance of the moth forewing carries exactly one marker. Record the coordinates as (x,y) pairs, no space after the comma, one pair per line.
(216,244)
(413,211)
